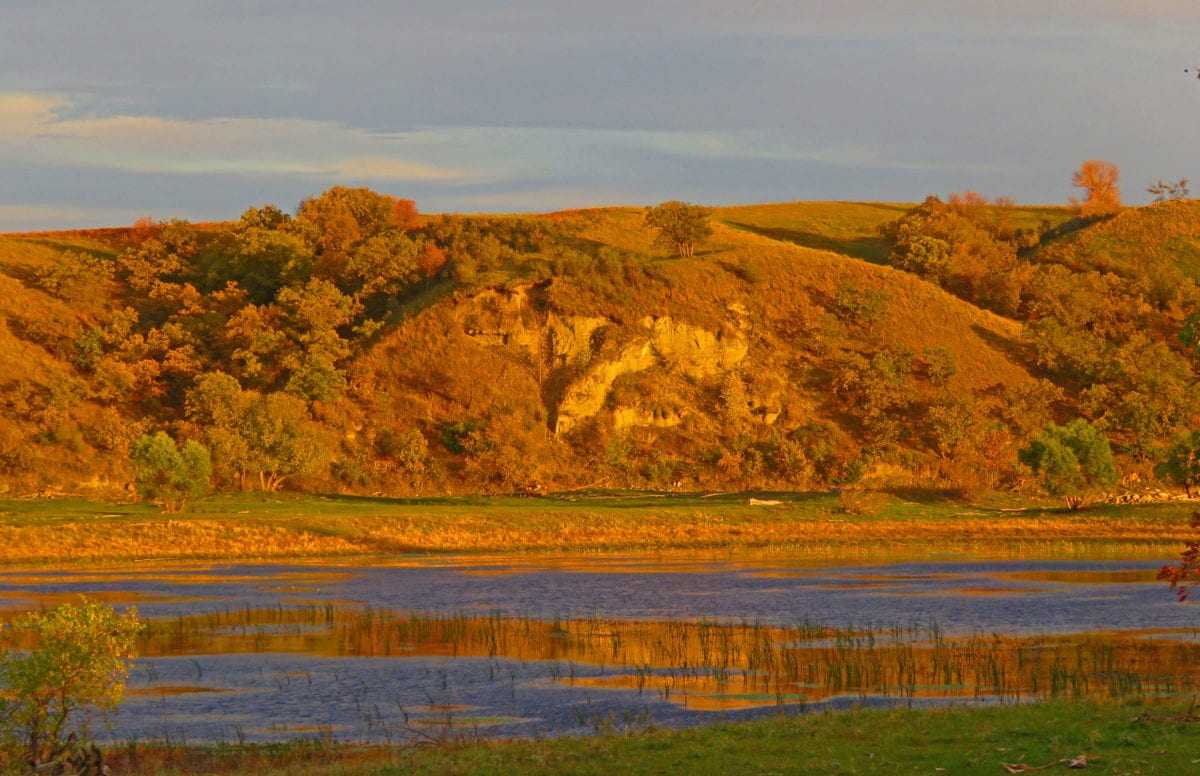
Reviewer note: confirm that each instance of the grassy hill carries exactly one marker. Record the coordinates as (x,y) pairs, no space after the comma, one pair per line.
(452,354)
(1162,239)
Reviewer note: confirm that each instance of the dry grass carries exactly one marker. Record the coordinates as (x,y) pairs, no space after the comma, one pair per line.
(239,528)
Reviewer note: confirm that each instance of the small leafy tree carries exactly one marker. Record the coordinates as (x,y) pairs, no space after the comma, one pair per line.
(65,662)
(1072,460)
(680,225)
(169,475)
(1182,462)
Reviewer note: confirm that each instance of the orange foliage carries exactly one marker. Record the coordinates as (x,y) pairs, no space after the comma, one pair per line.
(1099,178)
(404,214)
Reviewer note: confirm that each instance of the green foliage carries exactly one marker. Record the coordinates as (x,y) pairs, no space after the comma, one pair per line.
(1189,336)
(939,366)
(862,307)
(1181,464)
(72,274)
(257,439)
(169,475)
(966,246)
(457,437)
(1072,460)
(681,226)
(67,661)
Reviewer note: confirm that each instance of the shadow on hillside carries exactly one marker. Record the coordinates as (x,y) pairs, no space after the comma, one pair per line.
(1013,349)
(872,249)
(926,495)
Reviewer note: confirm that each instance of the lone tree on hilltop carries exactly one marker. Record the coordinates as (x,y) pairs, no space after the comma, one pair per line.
(680,225)
(1099,178)
(1073,460)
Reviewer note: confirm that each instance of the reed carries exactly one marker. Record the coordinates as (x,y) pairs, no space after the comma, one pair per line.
(723,664)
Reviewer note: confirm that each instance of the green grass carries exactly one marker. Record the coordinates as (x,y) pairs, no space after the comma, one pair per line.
(850,228)
(1115,738)
(842,227)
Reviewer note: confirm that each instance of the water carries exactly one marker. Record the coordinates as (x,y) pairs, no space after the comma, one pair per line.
(298,689)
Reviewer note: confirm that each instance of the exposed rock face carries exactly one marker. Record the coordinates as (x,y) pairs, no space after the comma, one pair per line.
(506,318)
(570,337)
(585,397)
(696,352)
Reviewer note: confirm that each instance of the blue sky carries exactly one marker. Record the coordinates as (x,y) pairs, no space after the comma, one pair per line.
(114,110)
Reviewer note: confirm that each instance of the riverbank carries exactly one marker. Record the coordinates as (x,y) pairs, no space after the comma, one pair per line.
(1113,737)
(71,532)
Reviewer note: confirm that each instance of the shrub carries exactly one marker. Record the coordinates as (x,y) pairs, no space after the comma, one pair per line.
(166,474)
(74,658)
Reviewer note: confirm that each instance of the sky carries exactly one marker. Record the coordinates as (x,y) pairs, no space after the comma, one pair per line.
(198,109)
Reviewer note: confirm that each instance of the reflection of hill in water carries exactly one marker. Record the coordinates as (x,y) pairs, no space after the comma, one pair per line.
(673,644)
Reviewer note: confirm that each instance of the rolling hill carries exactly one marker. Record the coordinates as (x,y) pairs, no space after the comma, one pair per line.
(508,353)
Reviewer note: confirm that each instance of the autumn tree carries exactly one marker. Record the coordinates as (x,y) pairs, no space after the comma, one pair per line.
(1099,179)
(680,225)
(258,439)
(68,660)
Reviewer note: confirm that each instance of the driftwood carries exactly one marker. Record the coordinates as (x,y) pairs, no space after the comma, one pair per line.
(82,761)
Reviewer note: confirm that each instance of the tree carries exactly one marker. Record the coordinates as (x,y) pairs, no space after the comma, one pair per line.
(167,474)
(1189,336)
(1099,178)
(1164,191)
(680,226)
(1072,459)
(72,659)
(1181,464)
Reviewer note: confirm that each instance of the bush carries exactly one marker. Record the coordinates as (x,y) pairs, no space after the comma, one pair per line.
(1072,460)
(166,474)
(74,659)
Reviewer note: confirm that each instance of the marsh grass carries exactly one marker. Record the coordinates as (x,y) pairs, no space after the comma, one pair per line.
(723,665)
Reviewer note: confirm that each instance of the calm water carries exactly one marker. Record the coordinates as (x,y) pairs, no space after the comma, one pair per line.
(286,693)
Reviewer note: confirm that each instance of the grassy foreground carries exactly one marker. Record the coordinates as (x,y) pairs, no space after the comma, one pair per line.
(244,526)
(1114,738)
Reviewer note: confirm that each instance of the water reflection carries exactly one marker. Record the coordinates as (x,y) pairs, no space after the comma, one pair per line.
(507,646)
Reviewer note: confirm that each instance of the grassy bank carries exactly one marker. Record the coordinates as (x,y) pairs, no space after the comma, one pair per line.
(60,532)
(1115,738)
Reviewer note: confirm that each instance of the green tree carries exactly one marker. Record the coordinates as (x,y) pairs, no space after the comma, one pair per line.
(680,225)
(282,439)
(1073,460)
(1181,464)
(169,475)
(67,660)
(1189,336)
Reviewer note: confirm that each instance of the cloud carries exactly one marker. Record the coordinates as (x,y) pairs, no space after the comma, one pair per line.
(34,130)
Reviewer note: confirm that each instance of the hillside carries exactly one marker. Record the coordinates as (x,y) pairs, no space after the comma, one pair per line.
(358,347)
